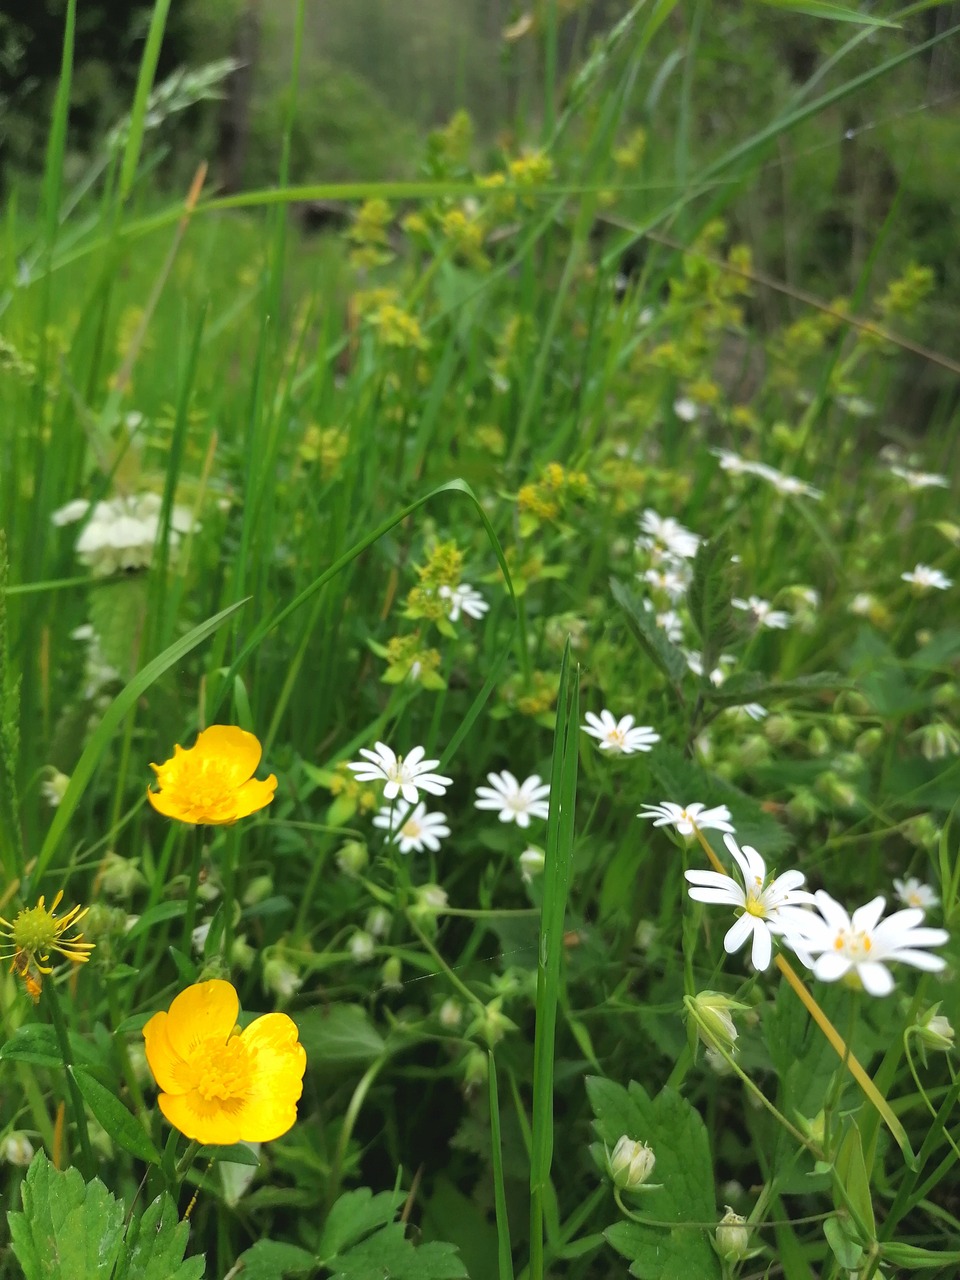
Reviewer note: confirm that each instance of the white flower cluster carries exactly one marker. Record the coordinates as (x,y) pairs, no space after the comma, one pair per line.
(121,533)
(788,485)
(834,944)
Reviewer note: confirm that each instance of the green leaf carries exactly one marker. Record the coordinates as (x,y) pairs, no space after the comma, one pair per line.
(37,1043)
(852,1173)
(708,600)
(751,686)
(124,1128)
(233,1153)
(914,1258)
(155,1250)
(845,1249)
(354,1216)
(156,915)
(675,1131)
(271,1260)
(68,1228)
(339,1033)
(389,1253)
(663,653)
(832,12)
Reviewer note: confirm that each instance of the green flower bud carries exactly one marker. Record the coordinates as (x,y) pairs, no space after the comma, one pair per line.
(835,791)
(492,1023)
(259,888)
(818,742)
(378,922)
(869,742)
(945,694)
(754,750)
(280,978)
(733,1236)
(120,877)
(361,946)
(934,1030)
(390,979)
(242,955)
(843,728)
(476,1067)
(803,807)
(630,1164)
(780,729)
(450,1014)
(712,1012)
(921,831)
(532,862)
(352,858)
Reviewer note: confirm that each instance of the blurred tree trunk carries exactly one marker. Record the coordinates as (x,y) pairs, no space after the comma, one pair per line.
(235,115)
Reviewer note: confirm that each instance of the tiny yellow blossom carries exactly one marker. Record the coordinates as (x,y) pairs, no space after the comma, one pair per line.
(212,783)
(34,933)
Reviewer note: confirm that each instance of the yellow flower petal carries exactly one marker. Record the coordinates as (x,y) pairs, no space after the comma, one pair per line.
(199,1119)
(207,1010)
(254,795)
(270,1108)
(231,747)
(170,1071)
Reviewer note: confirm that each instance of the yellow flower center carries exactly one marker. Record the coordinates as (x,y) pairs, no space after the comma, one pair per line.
(616,737)
(855,946)
(206,789)
(34,930)
(224,1071)
(754,905)
(411,829)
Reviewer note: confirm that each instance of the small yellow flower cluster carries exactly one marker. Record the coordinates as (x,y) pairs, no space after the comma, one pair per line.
(451,145)
(408,660)
(369,235)
(534,697)
(466,233)
(533,169)
(344,783)
(629,155)
(326,446)
(904,296)
(490,439)
(547,498)
(396,327)
(444,566)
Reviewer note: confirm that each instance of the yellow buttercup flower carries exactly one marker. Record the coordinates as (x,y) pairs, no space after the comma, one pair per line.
(34,933)
(219,1084)
(212,783)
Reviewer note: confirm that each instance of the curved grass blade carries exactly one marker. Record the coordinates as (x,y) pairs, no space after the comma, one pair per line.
(113,717)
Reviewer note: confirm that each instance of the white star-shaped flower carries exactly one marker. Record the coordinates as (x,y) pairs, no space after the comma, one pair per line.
(620,737)
(924,578)
(768,906)
(762,613)
(413,829)
(669,533)
(686,818)
(404,775)
(514,801)
(858,948)
(463,599)
(914,893)
(672,580)
(920,479)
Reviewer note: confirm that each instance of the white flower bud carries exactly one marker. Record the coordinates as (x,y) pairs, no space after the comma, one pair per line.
(450,1014)
(352,858)
(280,978)
(361,947)
(935,1031)
(378,922)
(733,1236)
(531,863)
(630,1163)
(54,787)
(712,1012)
(16,1148)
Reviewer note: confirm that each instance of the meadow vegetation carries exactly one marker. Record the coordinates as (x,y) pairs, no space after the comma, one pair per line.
(502,645)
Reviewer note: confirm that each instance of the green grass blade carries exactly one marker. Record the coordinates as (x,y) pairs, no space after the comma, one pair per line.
(113,717)
(504,1249)
(556,887)
(138,114)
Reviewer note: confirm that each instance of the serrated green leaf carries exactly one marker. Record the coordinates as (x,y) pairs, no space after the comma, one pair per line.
(68,1228)
(354,1216)
(272,1260)
(123,1128)
(155,1251)
(389,1253)
(339,1033)
(684,1170)
(663,653)
(751,686)
(116,614)
(708,600)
